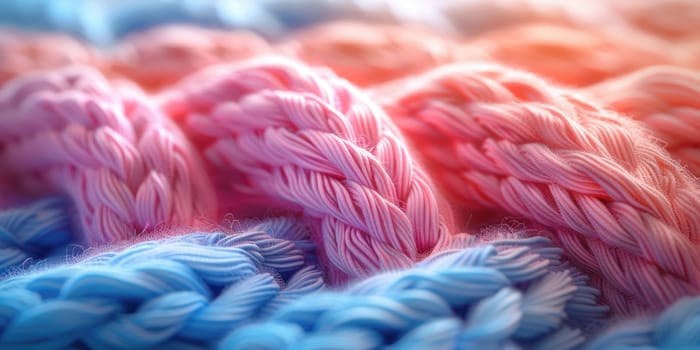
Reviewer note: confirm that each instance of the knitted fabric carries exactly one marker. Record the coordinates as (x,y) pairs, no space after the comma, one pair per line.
(182,291)
(33,232)
(127,168)
(667,100)
(506,294)
(501,139)
(146,204)
(311,142)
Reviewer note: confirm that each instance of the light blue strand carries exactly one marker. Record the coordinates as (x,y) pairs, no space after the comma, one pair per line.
(509,294)
(33,232)
(186,291)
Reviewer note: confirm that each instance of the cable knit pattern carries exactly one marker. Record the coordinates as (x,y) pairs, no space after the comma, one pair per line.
(127,167)
(33,232)
(506,294)
(181,291)
(314,143)
(498,138)
(667,100)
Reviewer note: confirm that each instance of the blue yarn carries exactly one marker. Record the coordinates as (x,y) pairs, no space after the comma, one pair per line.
(103,22)
(178,292)
(33,232)
(678,327)
(509,294)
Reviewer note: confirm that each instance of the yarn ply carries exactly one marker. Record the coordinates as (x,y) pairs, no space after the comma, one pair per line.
(22,52)
(676,328)
(33,232)
(667,101)
(185,291)
(126,166)
(370,54)
(573,56)
(502,139)
(164,55)
(309,142)
(505,294)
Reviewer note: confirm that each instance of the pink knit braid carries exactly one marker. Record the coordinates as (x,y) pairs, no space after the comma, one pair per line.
(667,101)
(312,143)
(164,55)
(369,54)
(22,52)
(574,56)
(126,166)
(502,139)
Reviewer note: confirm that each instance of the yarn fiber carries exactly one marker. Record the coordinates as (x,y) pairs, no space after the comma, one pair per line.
(311,141)
(563,162)
(312,174)
(126,166)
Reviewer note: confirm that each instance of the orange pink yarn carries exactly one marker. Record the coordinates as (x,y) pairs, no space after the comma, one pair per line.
(504,140)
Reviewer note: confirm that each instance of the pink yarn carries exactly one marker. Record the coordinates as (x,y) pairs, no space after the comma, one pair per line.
(502,139)
(667,101)
(369,54)
(163,55)
(22,53)
(126,166)
(312,143)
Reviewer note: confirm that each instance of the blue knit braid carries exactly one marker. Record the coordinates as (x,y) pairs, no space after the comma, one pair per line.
(104,21)
(509,294)
(182,292)
(678,327)
(33,232)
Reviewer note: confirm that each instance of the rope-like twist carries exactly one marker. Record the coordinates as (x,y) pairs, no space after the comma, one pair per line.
(127,167)
(182,291)
(311,142)
(506,294)
(33,232)
(667,101)
(677,327)
(502,139)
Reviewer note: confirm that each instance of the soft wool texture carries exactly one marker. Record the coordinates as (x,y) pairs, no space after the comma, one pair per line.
(126,167)
(310,141)
(511,174)
(667,100)
(500,139)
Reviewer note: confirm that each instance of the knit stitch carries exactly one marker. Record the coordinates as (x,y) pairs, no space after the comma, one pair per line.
(311,142)
(667,101)
(502,139)
(127,167)
(506,294)
(33,232)
(188,290)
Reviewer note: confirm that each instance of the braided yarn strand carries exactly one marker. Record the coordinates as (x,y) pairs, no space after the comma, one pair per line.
(127,167)
(181,291)
(313,143)
(677,327)
(33,232)
(498,138)
(667,101)
(505,294)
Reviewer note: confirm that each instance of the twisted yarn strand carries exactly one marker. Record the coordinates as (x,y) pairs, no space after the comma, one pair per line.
(667,101)
(501,139)
(126,166)
(33,232)
(188,290)
(677,327)
(503,295)
(313,143)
